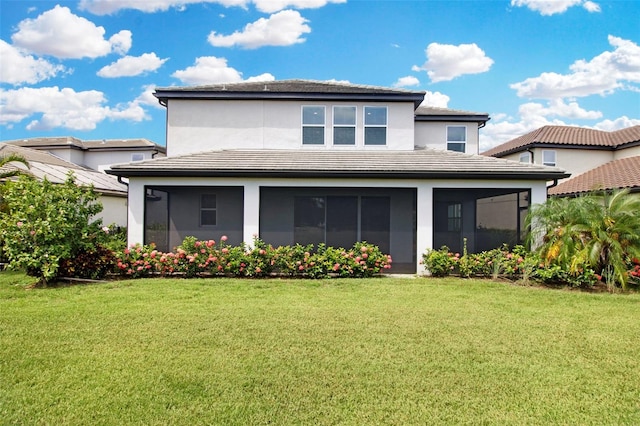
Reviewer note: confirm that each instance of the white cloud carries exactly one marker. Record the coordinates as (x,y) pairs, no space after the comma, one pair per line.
(129,66)
(63,108)
(407,81)
(557,108)
(147,98)
(532,116)
(551,7)
(270,6)
(281,29)
(212,70)
(435,99)
(19,67)
(617,124)
(446,62)
(601,75)
(108,7)
(60,33)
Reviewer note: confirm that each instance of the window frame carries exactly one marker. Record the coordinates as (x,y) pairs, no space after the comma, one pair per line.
(525,157)
(545,162)
(367,126)
(354,126)
(454,217)
(313,125)
(204,209)
(462,143)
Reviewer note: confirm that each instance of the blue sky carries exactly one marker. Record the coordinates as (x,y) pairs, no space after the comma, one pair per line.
(87,68)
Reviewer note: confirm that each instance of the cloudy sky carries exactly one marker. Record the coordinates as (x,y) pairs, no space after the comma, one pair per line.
(87,68)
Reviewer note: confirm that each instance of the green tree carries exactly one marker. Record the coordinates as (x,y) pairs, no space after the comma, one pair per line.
(597,231)
(46,223)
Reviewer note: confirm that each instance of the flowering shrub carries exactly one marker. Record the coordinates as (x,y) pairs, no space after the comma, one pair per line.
(210,258)
(45,224)
(515,264)
(634,271)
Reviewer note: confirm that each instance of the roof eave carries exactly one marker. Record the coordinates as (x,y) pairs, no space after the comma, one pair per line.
(455,174)
(164,95)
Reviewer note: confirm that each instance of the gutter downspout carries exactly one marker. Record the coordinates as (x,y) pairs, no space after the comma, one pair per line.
(123,182)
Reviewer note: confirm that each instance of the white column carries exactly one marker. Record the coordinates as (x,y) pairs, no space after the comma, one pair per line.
(424,237)
(135,216)
(251,222)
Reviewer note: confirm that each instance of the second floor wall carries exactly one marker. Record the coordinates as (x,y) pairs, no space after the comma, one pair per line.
(202,125)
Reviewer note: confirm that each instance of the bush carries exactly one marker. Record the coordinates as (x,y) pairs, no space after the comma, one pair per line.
(515,264)
(46,223)
(208,258)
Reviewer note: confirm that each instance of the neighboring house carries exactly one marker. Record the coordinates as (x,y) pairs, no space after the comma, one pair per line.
(300,161)
(112,193)
(596,159)
(94,154)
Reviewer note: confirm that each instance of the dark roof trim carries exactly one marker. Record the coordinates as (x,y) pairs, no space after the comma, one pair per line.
(338,174)
(479,118)
(523,148)
(164,95)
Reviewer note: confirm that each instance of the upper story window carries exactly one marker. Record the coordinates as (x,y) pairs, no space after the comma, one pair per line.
(137,157)
(549,158)
(375,125)
(208,210)
(313,125)
(457,138)
(344,125)
(525,157)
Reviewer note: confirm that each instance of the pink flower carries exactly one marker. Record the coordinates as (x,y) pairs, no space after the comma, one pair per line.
(336,266)
(262,252)
(33,232)
(210,243)
(19,224)
(225,250)
(363,249)
(365,255)
(105,229)
(258,270)
(223,238)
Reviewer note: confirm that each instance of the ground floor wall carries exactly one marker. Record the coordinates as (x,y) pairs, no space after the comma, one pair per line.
(246,208)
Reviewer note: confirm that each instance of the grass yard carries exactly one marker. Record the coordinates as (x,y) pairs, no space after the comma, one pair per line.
(374,351)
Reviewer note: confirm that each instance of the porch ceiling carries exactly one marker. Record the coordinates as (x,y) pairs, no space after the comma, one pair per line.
(423,163)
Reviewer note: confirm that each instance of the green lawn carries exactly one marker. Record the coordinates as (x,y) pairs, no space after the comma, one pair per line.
(375,351)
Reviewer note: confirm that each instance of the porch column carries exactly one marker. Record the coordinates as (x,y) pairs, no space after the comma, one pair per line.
(251,222)
(135,215)
(424,237)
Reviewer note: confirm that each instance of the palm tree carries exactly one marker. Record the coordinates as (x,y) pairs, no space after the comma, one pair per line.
(597,231)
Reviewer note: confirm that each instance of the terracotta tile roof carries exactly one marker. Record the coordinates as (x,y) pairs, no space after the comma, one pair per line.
(622,173)
(423,163)
(569,136)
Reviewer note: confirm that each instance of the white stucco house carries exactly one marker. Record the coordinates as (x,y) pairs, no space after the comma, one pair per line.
(299,161)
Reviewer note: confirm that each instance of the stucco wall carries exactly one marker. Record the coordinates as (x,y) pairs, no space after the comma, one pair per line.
(114,210)
(434,135)
(201,125)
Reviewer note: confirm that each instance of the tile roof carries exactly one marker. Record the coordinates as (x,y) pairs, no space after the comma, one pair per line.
(429,113)
(289,90)
(68,141)
(42,164)
(622,173)
(422,163)
(568,136)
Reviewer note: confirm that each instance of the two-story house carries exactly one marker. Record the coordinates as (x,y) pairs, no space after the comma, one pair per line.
(596,159)
(300,161)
